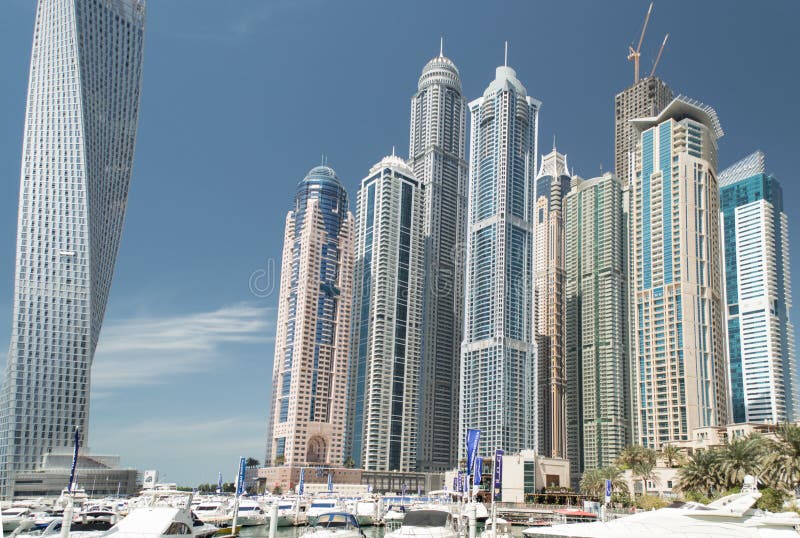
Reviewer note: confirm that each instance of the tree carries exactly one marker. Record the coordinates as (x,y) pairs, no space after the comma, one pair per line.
(771,500)
(252,462)
(782,462)
(671,455)
(349,462)
(700,473)
(280,460)
(740,457)
(592,483)
(641,461)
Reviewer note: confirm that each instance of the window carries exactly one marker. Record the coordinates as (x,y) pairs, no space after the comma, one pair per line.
(178,528)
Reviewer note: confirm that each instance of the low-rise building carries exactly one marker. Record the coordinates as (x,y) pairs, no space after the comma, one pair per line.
(98,475)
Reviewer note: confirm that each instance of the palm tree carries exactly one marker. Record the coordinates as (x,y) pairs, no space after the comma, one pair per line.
(783,460)
(592,483)
(640,460)
(741,457)
(616,476)
(671,455)
(700,472)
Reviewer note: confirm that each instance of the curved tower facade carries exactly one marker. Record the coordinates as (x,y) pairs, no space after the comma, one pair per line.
(313,329)
(437,157)
(498,355)
(80,131)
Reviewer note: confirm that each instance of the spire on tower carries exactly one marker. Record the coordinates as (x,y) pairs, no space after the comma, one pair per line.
(505,59)
(441,46)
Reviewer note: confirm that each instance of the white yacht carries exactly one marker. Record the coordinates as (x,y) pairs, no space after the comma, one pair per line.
(366,512)
(250,514)
(729,517)
(322,505)
(502,529)
(290,512)
(214,512)
(430,523)
(154,522)
(335,525)
(13,517)
(395,513)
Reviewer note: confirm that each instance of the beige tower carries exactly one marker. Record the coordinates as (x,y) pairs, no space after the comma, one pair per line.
(552,185)
(312,341)
(680,374)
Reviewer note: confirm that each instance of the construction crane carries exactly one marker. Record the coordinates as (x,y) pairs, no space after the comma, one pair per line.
(653,70)
(635,54)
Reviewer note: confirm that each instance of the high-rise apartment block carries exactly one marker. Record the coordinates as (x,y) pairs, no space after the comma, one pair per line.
(646,98)
(387,320)
(552,185)
(679,338)
(758,293)
(597,366)
(498,355)
(80,131)
(437,155)
(312,341)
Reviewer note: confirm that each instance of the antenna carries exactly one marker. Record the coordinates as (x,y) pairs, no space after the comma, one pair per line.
(393,155)
(554,141)
(635,54)
(441,46)
(505,60)
(659,54)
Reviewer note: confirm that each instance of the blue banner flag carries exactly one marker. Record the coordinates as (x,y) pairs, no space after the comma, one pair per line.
(330,481)
(608,490)
(473,437)
(478,470)
(302,486)
(74,460)
(498,474)
(240,476)
(219,483)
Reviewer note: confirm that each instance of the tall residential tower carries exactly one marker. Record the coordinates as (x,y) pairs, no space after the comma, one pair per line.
(387,320)
(758,293)
(437,157)
(679,338)
(312,343)
(80,132)
(597,367)
(498,355)
(552,185)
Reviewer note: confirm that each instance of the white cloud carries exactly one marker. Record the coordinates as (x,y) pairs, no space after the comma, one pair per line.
(151,350)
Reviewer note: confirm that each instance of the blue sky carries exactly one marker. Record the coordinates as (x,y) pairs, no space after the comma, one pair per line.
(242,97)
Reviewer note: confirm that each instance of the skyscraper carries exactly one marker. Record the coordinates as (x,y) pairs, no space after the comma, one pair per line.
(552,185)
(645,98)
(597,366)
(498,355)
(312,342)
(758,294)
(387,319)
(437,157)
(80,132)
(679,363)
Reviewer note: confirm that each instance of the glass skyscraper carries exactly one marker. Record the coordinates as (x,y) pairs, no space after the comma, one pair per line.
(597,366)
(758,294)
(552,184)
(498,356)
(312,341)
(680,372)
(437,157)
(386,336)
(80,132)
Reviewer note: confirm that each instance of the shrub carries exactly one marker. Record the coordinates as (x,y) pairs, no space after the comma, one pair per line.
(696,496)
(771,500)
(650,502)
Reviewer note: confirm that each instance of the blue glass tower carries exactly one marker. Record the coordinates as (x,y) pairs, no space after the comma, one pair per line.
(763,370)
(498,358)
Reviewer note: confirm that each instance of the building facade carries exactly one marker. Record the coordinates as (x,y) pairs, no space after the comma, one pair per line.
(597,366)
(312,342)
(644,99)
(498,355)
(437,155)
(387,320)
(758,294)
(81,120)
(679,338)
(552,185)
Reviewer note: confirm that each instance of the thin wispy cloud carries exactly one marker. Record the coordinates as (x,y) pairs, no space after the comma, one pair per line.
(268,12)
(152,350)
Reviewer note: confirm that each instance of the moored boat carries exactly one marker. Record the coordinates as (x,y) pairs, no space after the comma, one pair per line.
(335,525)
(430,523)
